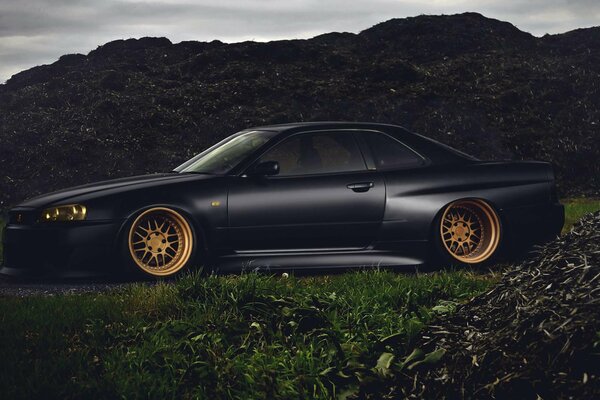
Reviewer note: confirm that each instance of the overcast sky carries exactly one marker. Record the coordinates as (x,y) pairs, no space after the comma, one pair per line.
(34,32)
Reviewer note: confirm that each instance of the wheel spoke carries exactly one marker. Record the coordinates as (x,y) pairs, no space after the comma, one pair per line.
(160,241)
(468,230)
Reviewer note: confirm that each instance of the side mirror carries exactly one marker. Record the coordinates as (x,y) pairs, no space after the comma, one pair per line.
(265,168)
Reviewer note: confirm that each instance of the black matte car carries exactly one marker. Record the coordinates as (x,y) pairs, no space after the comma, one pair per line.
(293,196)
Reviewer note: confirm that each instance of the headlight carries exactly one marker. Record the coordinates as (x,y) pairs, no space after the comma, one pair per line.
(72,212)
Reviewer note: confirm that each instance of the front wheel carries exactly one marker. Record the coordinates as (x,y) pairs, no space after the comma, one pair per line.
(469,231)
(160,242)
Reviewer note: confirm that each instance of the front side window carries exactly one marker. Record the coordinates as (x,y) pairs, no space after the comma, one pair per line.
(317,153)
(388,153)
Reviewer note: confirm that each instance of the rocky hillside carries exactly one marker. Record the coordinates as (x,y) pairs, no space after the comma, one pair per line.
(135,106)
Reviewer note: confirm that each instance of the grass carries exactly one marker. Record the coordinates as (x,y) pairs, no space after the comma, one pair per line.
(249,336)
(577,208)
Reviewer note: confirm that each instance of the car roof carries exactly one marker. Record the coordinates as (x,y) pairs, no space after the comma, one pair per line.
(427,147)
(322,124)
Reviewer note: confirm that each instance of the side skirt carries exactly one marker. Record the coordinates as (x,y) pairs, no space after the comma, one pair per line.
(310,261)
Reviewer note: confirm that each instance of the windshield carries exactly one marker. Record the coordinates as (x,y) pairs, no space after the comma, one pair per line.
(225,155)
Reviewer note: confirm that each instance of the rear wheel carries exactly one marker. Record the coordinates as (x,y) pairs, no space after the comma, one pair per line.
(161,242)
(469,231)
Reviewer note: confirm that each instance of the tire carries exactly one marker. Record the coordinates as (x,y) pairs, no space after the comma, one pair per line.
(468,232)
(160,243)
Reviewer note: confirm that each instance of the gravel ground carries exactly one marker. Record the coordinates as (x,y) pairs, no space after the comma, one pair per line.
(19,288)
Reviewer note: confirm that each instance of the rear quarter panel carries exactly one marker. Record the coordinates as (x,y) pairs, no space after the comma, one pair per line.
(415,197)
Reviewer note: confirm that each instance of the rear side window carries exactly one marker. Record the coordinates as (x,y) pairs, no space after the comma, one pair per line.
(388,153)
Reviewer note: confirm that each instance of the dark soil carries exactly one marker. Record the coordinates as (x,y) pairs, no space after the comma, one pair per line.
(136,106)
(534,335)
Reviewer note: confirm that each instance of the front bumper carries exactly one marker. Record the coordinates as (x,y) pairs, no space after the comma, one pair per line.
(77,249)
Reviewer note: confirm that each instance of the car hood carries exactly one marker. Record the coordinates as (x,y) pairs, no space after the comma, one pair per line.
(63,196)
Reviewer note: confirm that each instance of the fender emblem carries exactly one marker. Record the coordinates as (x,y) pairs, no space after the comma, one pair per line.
(215,203)
(19,218)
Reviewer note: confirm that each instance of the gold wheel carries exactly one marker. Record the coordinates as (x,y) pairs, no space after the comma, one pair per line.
(160,241)
(470,231)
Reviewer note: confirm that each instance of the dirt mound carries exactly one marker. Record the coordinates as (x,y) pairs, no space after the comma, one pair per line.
(144,105)
(537,333)
(430,37)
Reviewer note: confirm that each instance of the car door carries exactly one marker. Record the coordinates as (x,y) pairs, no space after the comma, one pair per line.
(324,197)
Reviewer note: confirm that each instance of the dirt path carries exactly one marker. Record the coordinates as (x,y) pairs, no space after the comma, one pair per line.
(20,288)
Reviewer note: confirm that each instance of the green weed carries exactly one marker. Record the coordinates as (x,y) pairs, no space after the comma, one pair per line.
(577,208)
(249,336)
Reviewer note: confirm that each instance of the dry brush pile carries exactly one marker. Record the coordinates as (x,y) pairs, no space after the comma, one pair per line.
(137,106)
(534,335)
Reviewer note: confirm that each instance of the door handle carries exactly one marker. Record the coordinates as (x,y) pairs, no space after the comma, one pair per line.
(360,187)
